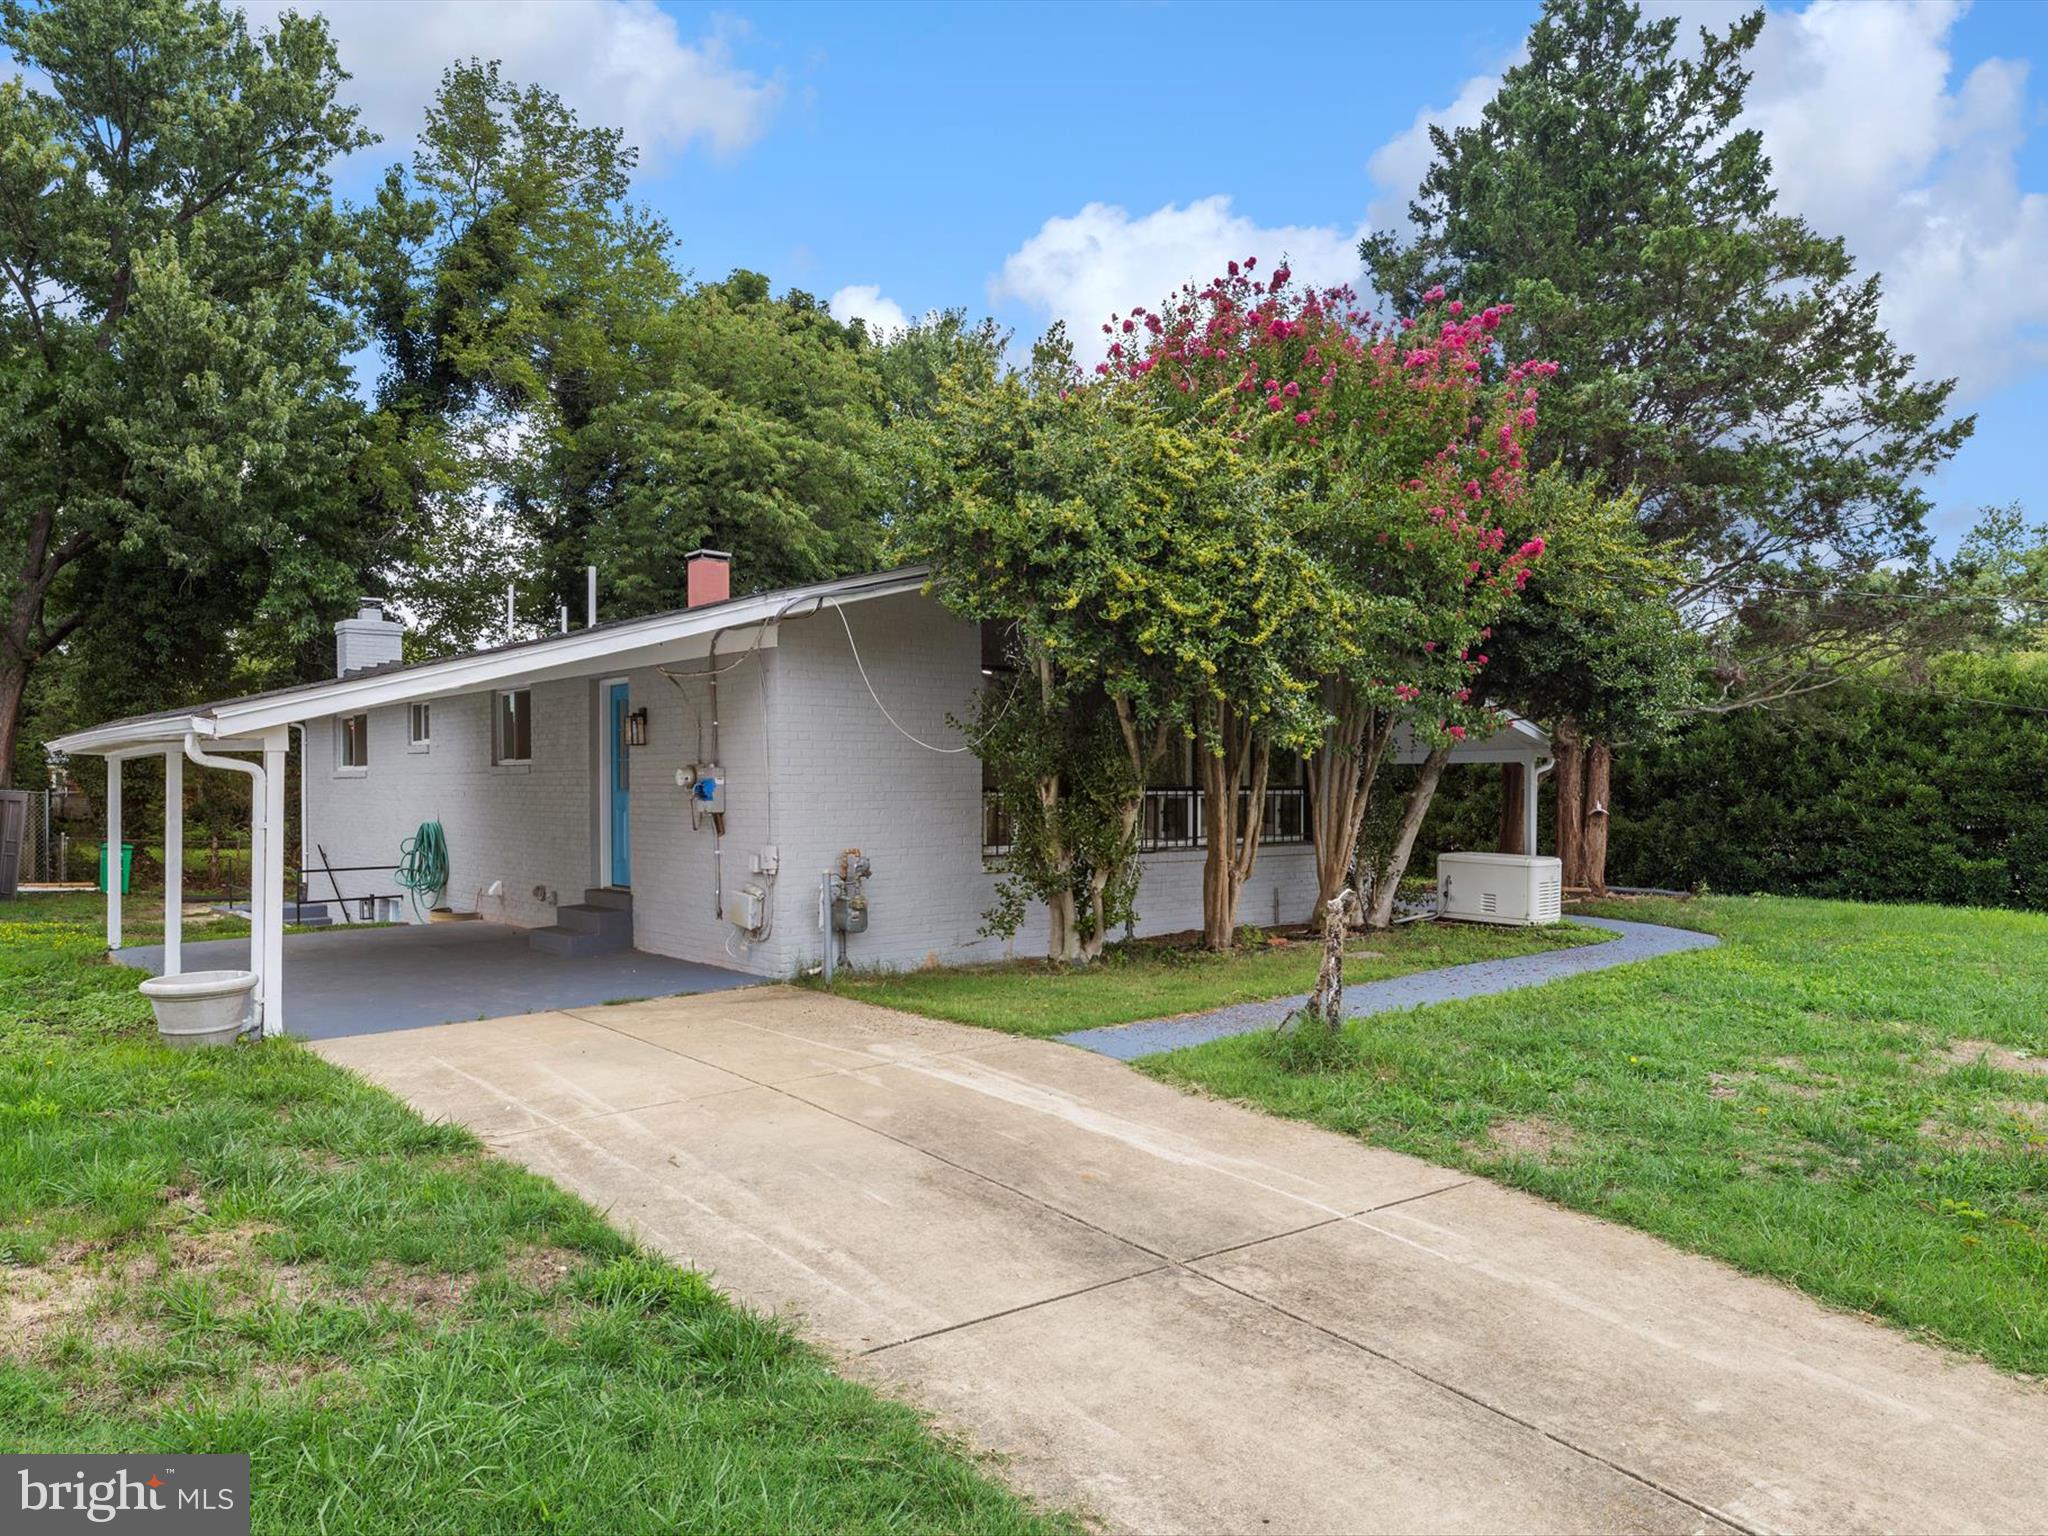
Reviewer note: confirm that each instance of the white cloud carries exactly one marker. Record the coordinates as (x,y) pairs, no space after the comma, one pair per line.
(1397,166)
(864,301)
(1100,261)
(1872,138)
(618,63)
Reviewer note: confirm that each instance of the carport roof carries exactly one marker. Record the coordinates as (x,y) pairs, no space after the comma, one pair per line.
(597,648)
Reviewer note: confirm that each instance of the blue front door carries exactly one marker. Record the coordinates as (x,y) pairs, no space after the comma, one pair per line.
(622,842)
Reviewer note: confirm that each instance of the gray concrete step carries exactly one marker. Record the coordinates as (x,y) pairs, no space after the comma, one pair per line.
(586,918)
(576,942)
(608,896)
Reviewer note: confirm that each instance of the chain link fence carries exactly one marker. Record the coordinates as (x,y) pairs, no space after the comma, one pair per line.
(47,848)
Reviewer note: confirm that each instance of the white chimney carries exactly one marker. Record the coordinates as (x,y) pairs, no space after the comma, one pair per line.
(367,640)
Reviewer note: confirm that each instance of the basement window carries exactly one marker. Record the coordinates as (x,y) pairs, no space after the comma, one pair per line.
(352,743)
(512,731)
(420,730)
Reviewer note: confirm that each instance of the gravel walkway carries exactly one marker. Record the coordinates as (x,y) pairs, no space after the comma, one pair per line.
(1483,978)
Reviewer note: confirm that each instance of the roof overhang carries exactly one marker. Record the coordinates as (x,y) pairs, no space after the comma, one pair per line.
(1518,741)
(684,635)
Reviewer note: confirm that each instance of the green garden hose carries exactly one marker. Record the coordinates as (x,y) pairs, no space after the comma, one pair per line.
(423,866)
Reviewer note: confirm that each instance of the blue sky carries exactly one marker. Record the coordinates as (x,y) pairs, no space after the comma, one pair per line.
(1034,161)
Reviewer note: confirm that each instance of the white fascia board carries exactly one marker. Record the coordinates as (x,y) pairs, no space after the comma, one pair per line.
(664,638)
(580,653)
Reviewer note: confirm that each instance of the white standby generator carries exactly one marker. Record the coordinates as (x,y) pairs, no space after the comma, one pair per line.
(1517,888)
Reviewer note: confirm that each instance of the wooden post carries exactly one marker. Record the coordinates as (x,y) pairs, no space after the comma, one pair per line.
(174,862)
(1513,821)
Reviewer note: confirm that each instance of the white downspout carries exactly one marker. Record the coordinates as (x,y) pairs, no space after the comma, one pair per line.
(1532,802)
(110,852)
(174,864)
(260,919)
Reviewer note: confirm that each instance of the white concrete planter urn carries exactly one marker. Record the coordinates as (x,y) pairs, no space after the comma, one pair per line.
(195,1008)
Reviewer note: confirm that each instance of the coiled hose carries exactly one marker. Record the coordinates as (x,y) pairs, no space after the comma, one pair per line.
(423,866)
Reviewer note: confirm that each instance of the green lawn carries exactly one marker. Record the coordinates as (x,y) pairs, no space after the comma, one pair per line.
(1148,981)
(1853,1098)
(253,1250)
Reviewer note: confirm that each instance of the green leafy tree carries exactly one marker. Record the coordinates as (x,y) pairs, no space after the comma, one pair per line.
(1719,359)
(1400,448)
(1145,584)
(1594,651)
(556,394)
(175,415)
(514,286)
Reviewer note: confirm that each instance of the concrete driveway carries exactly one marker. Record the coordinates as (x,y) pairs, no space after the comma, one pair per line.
(1186,1316)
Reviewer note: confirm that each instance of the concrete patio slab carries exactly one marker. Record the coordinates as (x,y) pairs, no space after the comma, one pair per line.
(1167,1404)
(499,1076)
(860,1240)
(353,981)
(1772,1412)
(1011,1233)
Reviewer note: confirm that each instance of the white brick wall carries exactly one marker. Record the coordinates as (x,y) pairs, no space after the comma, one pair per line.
(846,778)
(526,826)
(835,774)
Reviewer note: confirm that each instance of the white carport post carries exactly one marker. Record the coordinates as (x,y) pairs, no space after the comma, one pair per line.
(276,743)
(174,863)
(110,852)
(1529,804)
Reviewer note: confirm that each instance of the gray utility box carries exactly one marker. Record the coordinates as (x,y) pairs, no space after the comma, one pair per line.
(13,833)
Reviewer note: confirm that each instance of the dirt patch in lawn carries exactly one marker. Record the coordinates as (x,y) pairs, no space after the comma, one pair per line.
(1536,1137)
(1967,1053)
(36,1305)
(1960,1138)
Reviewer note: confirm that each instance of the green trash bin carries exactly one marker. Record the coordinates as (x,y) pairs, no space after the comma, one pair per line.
(127,867)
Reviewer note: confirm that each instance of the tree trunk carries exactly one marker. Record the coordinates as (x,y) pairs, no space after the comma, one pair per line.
(1571,800)
(1599,804)
(1512,834)
(13,684)
(1388,880)
(1340,778)
(1325,1006)
(1233,763)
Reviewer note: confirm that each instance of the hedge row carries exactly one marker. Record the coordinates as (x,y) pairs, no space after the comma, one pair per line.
(1884,790)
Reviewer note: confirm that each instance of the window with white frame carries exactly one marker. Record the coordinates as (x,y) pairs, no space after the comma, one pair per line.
(352,742)
(512,727)
(420,728)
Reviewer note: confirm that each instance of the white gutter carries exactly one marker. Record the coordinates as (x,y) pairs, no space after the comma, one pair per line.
(261,920)
(577,653)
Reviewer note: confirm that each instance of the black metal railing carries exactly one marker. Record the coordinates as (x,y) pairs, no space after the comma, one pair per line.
(1170,819)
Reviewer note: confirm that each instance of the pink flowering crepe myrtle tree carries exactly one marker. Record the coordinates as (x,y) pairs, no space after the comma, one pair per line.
(1409,442)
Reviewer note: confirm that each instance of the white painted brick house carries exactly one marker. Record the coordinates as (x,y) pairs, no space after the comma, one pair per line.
(563,772)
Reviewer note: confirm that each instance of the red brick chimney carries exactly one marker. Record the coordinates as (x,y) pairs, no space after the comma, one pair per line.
(710,576)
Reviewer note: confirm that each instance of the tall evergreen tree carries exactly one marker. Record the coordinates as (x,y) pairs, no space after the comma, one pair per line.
(1719,358)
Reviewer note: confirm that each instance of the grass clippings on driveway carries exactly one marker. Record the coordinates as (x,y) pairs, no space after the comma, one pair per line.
(1152,981)
(1852,1098)
(253,1250)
